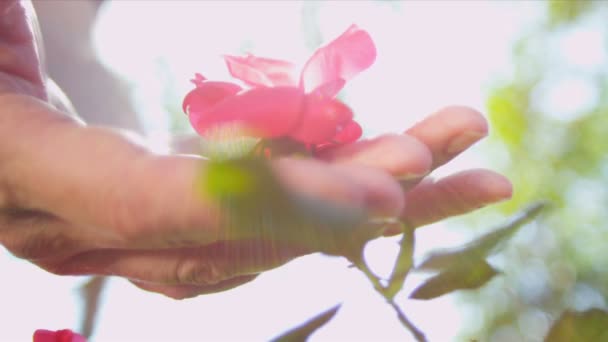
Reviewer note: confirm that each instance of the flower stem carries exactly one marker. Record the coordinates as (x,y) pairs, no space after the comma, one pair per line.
(360,263)
(418,335)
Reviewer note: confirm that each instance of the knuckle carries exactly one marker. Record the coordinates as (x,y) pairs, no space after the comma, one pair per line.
(179,294)
(194,271)
(173,292)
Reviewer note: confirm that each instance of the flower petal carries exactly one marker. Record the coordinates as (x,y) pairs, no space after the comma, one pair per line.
(65,335)
(262,112)
(350,132)
(322,119)
(207,94)
(329,89)
(258,71)
(343,58)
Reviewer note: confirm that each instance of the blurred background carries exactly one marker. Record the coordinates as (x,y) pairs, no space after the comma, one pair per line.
(538,69)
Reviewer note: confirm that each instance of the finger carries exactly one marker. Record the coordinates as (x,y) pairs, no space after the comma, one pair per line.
(382,194)
(355,186)
(318,180)
(402,156)
(450,131)
(207,265)
(457,194)
(20,61)
(189,291)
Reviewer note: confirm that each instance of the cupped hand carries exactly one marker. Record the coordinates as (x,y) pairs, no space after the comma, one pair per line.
(91,200)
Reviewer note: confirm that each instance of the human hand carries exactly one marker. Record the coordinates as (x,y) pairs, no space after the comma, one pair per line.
(88,200)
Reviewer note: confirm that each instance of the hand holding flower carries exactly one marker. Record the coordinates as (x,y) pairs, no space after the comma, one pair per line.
(78,199)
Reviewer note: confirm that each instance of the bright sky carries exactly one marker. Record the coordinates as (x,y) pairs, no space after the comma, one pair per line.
(430,54)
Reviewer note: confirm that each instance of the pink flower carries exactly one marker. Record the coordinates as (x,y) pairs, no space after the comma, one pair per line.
(281,103)
(65,335)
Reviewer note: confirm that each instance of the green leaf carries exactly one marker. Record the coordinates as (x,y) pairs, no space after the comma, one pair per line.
(587,326)
(259,207)
(460,277)
(563,12)
(507,116)
(303,332)
(403,264)
(481,247)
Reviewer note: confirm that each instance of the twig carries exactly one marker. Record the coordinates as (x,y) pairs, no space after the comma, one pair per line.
(362,266)
(419,335)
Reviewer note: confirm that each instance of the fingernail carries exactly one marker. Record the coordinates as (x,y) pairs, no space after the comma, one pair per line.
(385,224)
(411,176)
(463,141)
(380,220)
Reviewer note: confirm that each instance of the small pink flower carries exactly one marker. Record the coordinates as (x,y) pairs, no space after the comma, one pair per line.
(281,103)
(65,335)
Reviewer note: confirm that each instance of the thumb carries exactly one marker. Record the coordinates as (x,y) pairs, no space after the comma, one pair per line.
(21,49)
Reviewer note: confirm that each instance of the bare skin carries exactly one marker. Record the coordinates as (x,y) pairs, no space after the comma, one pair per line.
(77,199)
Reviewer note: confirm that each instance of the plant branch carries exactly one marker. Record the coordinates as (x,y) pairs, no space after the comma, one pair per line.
(360,263)
(418,335)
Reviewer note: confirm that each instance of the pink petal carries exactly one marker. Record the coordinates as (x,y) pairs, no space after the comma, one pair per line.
(321,120)
(348,133)
(351,132)
(258,71)
(343,58)
(65,335)
(207,94)
(263,112)
(198,79)
(329,89)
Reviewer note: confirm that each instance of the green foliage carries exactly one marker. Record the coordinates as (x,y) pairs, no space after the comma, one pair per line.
(403,264)
(303,332)
(565,11)
(559,159)
(505,112)
(466,267)
(588,326)
(461,276)
(476,251)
